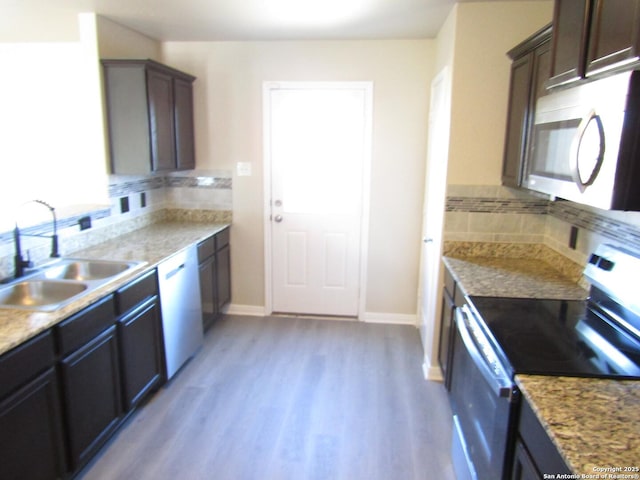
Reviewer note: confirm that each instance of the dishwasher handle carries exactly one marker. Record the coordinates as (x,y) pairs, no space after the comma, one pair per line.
(174,272)
(492,372)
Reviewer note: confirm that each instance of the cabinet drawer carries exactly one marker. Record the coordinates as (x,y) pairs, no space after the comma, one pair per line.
(25,361)
(85,325)
(222,239)
(206,248)
(137,292)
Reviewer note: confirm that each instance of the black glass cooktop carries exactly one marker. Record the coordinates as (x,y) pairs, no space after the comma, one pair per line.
(558,337)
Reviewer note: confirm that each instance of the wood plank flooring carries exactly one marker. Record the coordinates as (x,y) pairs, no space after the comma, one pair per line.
(280,398)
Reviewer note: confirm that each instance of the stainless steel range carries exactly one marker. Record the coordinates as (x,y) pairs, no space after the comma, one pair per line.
(497,338)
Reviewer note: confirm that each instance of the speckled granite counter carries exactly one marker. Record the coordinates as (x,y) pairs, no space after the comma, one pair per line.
(151,245)
(594,423)
(512,270)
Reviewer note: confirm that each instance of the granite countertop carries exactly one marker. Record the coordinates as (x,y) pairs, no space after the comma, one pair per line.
(594,423)
(150,245)
(512,277)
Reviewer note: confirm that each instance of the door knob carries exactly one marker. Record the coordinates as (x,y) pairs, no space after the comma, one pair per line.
(427,240)
(278,218)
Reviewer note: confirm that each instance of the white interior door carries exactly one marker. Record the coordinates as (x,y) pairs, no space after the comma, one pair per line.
(318,144)
(433,215)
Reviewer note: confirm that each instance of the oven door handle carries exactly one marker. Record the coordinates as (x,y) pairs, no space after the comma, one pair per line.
(499,382)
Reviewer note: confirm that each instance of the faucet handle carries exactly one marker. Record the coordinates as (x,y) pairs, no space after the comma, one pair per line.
(28,263)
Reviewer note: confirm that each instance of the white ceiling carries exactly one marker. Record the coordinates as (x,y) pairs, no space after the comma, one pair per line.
(218,20)
(210,20)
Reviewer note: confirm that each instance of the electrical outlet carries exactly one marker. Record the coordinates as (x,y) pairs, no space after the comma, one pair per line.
(573,237)
(84,222)
(244,169)
(124,204)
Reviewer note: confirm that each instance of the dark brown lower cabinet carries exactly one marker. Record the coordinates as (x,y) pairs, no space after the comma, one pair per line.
(140,346)
(91,396)
(223,275)
(445,348)
(214,261)
(64,392)
(535,454)
(523,466)
(208,291)
(31,438)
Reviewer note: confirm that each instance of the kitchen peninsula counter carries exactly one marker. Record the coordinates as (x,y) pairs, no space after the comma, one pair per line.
(594,423)
(150,245)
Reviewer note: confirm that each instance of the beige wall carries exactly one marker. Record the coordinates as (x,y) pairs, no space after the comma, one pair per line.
(228,97)
(485,31)
(473,43)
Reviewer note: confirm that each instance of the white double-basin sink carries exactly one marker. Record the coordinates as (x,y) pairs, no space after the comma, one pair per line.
(61,282)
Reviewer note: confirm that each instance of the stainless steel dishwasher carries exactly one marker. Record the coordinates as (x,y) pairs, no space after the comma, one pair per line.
(181,308)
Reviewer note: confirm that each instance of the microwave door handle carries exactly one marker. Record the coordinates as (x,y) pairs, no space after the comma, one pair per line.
(576,144)
(501,385)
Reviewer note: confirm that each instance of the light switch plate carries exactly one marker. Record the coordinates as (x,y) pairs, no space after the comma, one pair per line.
(244,169)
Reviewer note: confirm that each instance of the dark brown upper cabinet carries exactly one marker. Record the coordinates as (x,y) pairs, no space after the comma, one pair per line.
(570,37)
(150,117)
(614,36)
(183,115)
(591,37)
(529,73)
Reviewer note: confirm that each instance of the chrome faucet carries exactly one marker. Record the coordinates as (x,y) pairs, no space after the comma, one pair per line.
(20,263)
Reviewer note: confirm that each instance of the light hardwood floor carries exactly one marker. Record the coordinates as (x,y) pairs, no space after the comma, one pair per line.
(280,398)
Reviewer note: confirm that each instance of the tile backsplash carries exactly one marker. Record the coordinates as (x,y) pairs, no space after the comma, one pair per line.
(493,214)
(501,214)
(134,203)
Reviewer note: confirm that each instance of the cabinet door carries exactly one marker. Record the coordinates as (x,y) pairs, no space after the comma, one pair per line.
(570,36)
(208,292)
(185,149)
(141,355)
(614,38)
(91,396)
(445,349)
(223,276)
(161,124)
(517,121)
(31,437)
(523,466)
(541,451)
(540,76)
(541,70)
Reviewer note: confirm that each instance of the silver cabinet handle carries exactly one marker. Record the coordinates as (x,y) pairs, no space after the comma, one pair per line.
(278,218)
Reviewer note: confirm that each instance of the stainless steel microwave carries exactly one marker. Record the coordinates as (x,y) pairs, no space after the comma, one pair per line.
(586,144)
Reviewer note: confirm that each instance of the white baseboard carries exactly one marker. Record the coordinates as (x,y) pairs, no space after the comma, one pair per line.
(392,318)
(249,310)
(432,373)
(371,317)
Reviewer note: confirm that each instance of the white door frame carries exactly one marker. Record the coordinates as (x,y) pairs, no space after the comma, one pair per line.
(429,304)
(267,87)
